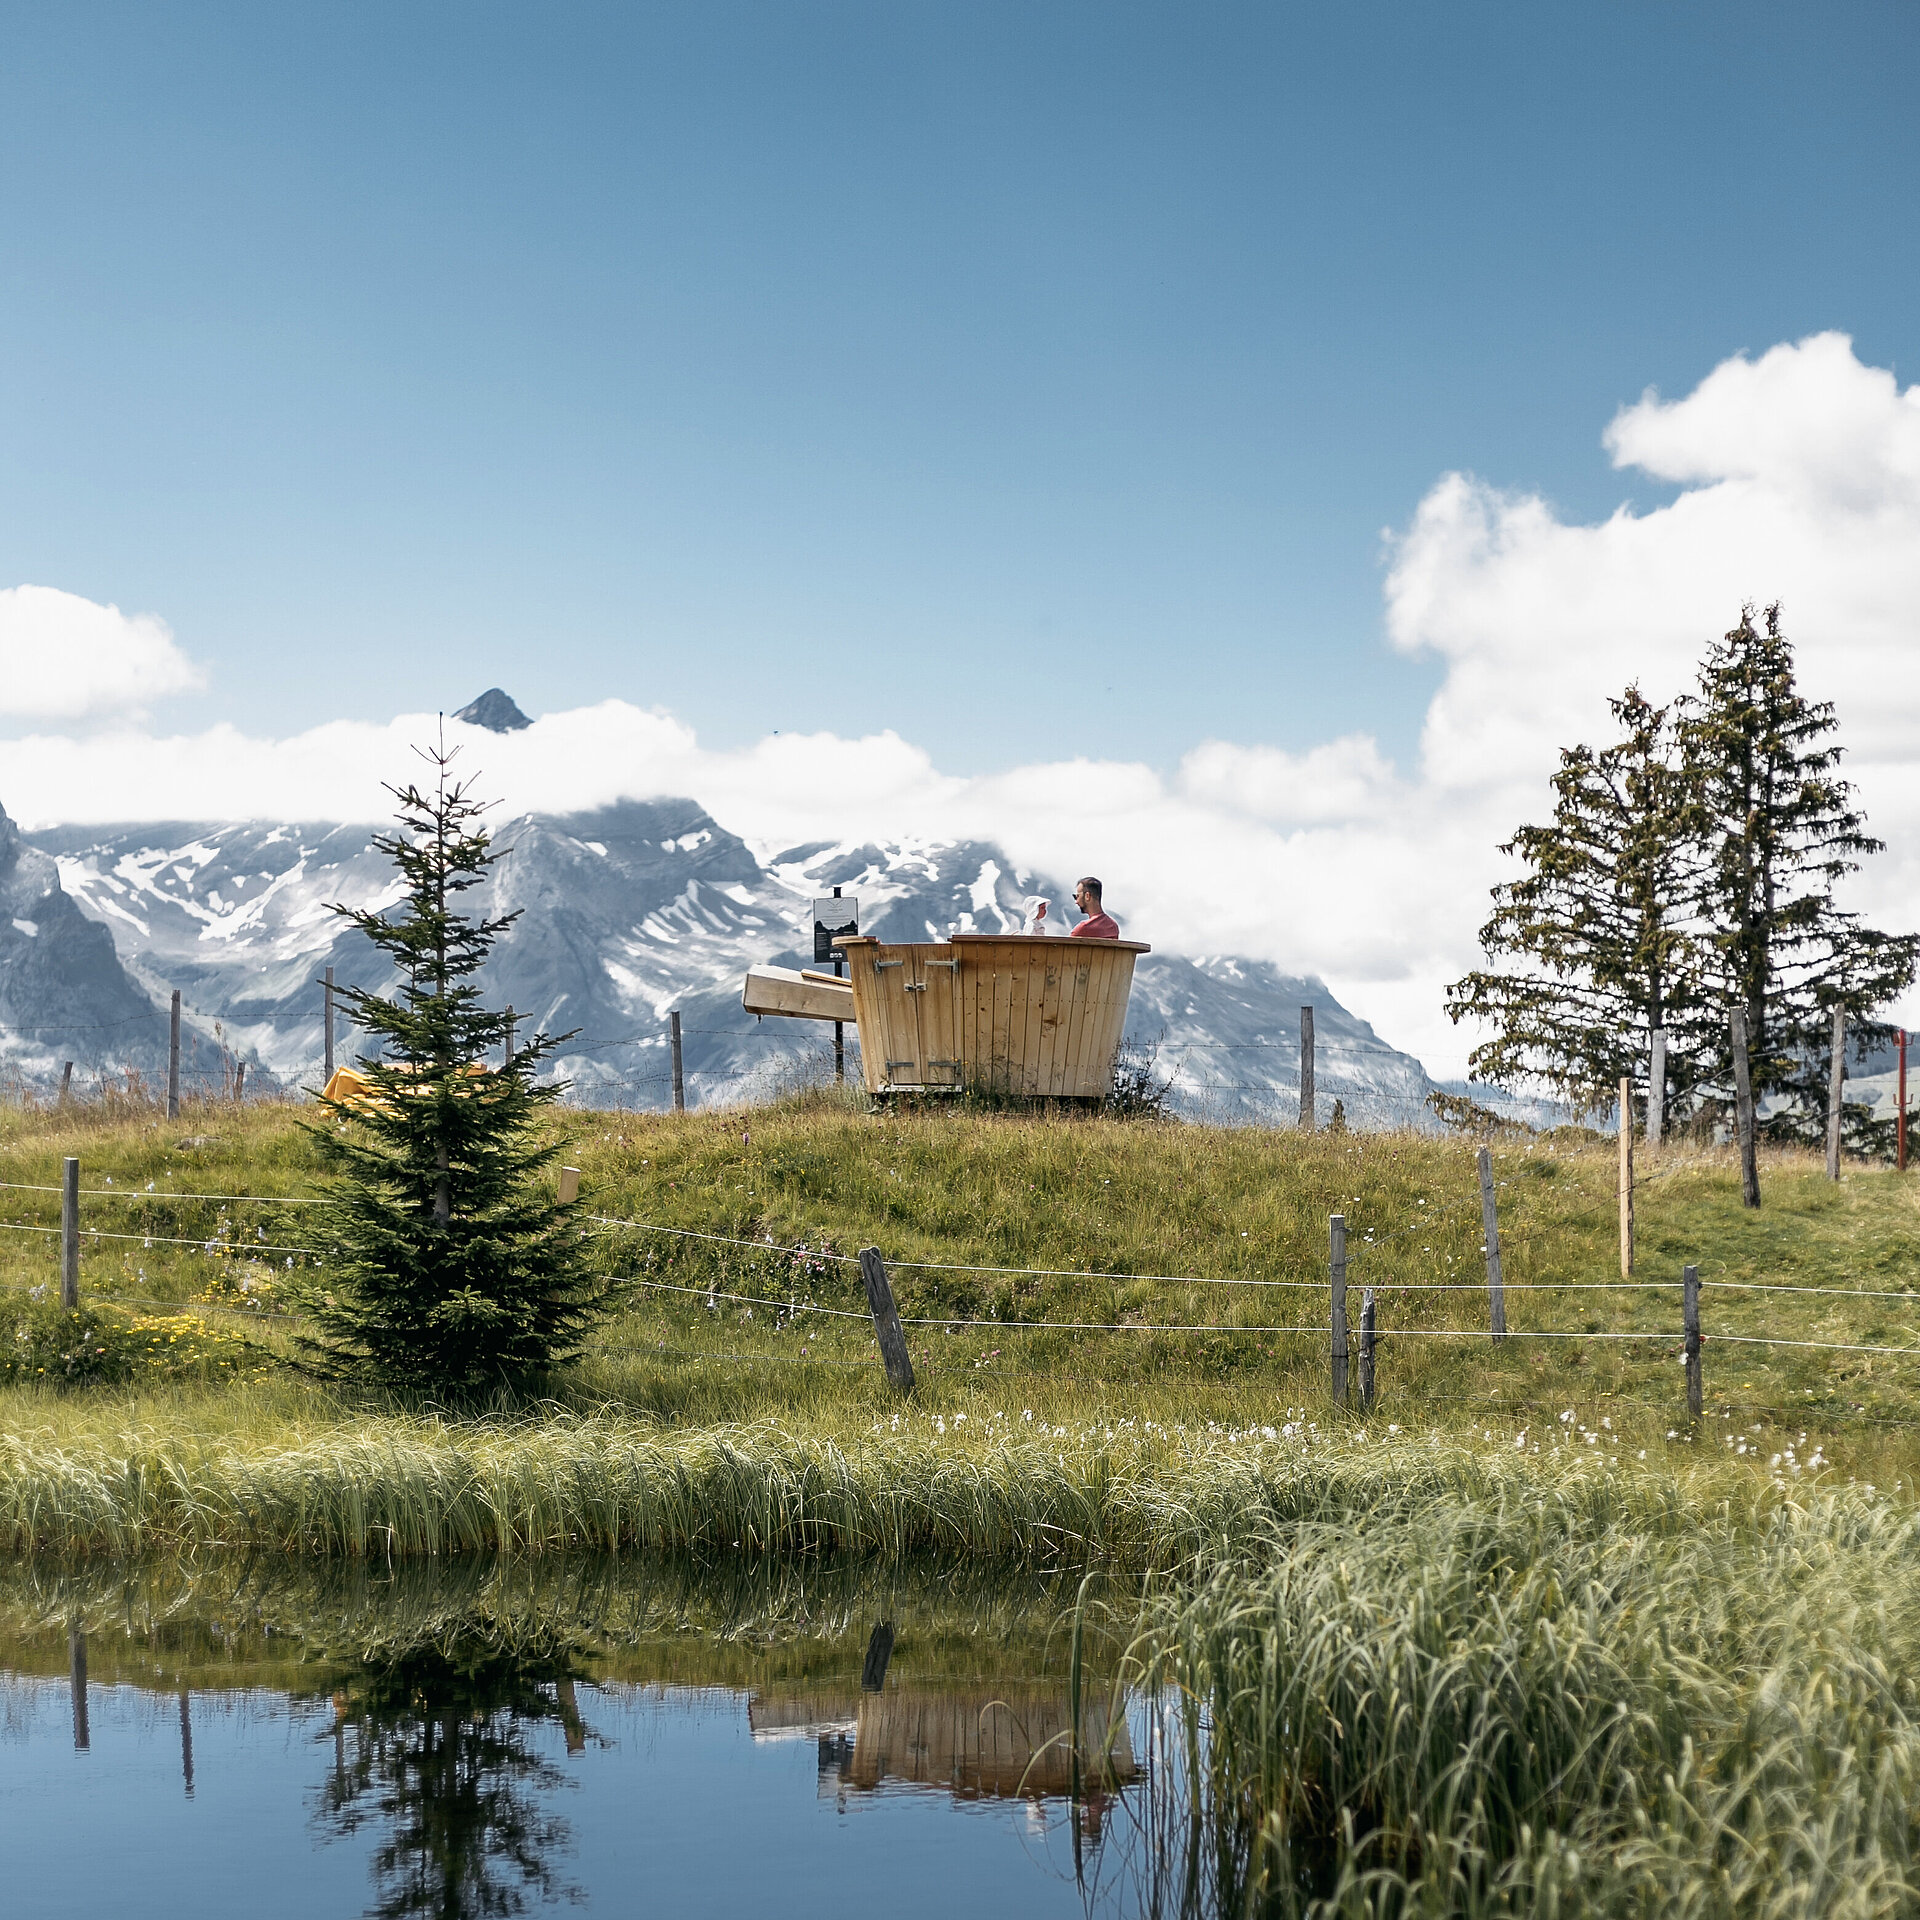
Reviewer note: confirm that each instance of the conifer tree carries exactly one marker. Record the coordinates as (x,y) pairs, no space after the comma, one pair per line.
(448,1263)
(1589,948)
(1780,830)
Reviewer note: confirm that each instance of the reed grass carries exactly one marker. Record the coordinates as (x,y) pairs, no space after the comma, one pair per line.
(1506,1699)
(1137,1495)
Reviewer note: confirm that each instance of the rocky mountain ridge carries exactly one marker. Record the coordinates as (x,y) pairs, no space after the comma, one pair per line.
(626,913)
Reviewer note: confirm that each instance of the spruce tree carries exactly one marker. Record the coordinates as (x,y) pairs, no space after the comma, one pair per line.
(1589,947)
(448,1264)
(1780,831)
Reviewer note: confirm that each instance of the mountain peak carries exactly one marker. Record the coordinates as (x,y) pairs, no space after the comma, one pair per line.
(495,711)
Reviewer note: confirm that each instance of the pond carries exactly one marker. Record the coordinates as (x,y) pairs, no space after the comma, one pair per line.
(496,1738)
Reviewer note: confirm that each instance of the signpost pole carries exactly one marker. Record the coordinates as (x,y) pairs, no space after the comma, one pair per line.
(839,1027)
(835,920)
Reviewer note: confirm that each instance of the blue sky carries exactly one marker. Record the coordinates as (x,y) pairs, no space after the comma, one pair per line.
(1022,377)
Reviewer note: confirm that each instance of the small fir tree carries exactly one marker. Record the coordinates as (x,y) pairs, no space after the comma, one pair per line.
(1589,948)
(1780,831)
(448,1263)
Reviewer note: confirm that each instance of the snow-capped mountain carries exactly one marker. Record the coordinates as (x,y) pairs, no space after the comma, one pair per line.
(64,994)
(634,910)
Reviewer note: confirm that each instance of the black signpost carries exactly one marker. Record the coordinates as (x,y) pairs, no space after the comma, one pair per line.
(833,921)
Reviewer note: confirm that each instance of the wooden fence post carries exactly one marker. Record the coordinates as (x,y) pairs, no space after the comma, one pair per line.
(239,1081)
(1836,1077)
(66,1083)
(1657,1088)
(1690,1323)
(1626,1176)
(509,1041)
(1337,1273)
(1490,1232)
(1743,1111)
(569,1186)
(679,1079)
(327,1068)
(70,1234)
(1306,1069)
(886,1320)
(173,1059)
(1367,1332)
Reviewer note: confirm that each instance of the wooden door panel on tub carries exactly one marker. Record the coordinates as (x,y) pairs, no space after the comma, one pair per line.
(938,993)
(914,993)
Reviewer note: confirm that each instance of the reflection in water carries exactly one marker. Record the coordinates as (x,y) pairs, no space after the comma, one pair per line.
(453,1693)
(434,1744)
(980,1742)
(77,1683)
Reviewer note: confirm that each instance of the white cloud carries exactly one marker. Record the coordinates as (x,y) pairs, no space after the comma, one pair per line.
(1801,476)
(1343,780)
(65,658)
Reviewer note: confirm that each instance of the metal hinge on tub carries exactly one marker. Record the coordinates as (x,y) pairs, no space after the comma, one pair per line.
(880,966)
(891,1064)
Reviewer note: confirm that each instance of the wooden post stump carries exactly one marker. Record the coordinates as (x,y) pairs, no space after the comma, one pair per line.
(1367,1334)
(70,1234)
(1690,1324)
(173,1059)
(1490,1232)
(886,1320)
(1337,1275)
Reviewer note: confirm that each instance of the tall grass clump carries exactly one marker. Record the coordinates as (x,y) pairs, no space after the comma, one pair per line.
(1135,1496)
(1501,1701)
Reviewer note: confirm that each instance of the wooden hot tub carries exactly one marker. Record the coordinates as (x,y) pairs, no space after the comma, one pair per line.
(1037,1017)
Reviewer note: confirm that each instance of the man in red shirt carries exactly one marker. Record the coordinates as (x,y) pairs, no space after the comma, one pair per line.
(1098,925)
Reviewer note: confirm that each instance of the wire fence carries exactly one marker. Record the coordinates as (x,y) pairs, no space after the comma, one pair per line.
(1669,1287)
(791,1308)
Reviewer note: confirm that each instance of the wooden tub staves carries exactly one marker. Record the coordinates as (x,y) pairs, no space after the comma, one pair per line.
(1040,1018)
(1033,1017)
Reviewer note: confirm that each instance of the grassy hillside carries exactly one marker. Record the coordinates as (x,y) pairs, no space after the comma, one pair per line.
(1116,1230)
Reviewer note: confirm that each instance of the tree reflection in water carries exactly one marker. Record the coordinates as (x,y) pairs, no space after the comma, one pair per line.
(440,1744)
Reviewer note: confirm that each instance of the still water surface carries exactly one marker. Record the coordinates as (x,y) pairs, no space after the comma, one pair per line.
(614,1736)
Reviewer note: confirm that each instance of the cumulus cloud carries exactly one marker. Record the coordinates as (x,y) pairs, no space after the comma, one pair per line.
(1344,780)
(65,658)
(1800,478)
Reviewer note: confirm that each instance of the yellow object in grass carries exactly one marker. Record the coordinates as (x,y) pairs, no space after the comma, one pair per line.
(354,1091)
